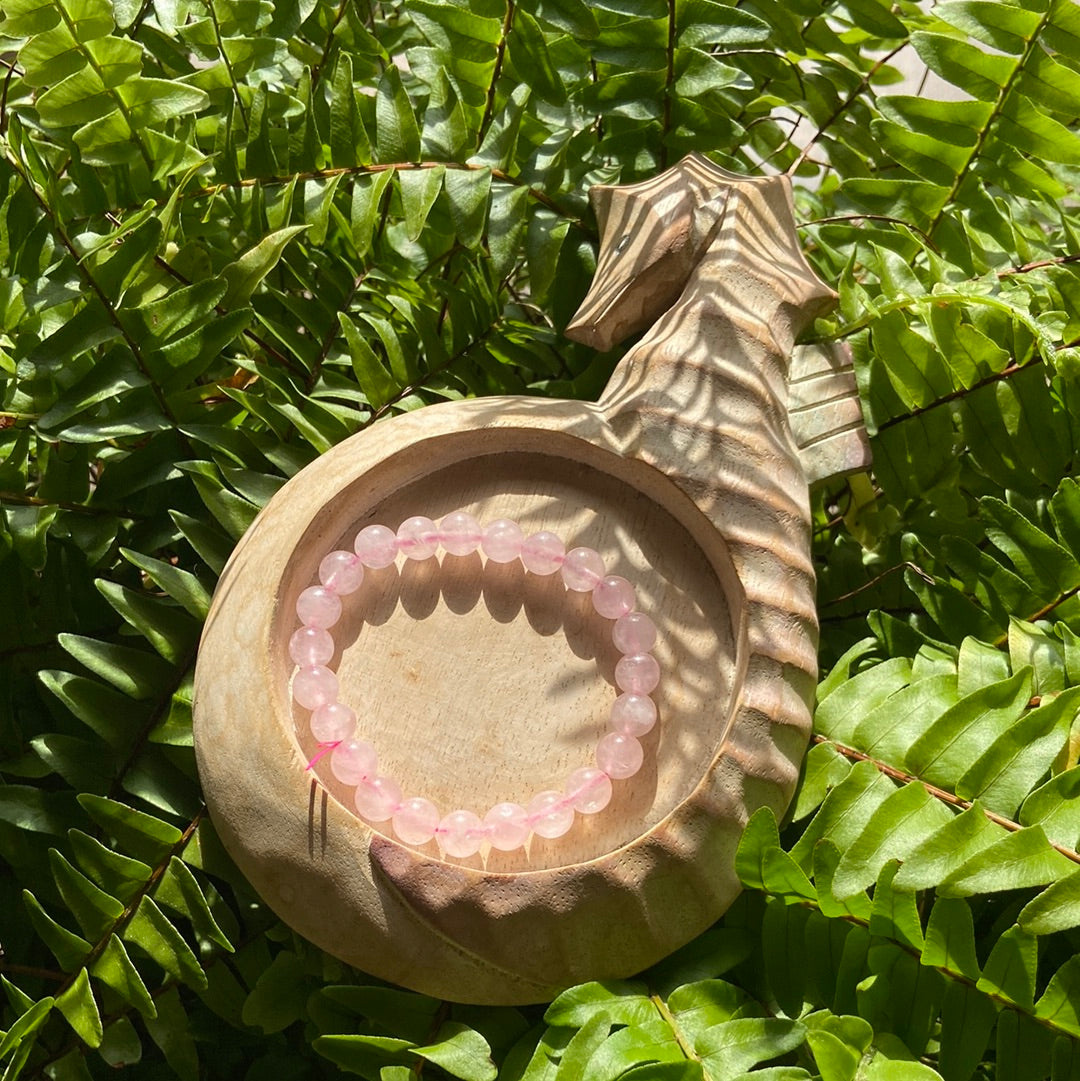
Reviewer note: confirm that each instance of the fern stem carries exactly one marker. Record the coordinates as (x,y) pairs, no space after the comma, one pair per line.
(914,567)
(92,61)
(225,61)
(156,716)
(412,388)
(363,170)
(333,330)
(984,132)
(846,104)
(938,793)
(669,84)
(500,52)
(262,343)
(872,217)
(963,392)
(125,917)
(320,65)
(110,309)
(669,1019)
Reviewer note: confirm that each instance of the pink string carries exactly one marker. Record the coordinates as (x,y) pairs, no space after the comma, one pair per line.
(323,749)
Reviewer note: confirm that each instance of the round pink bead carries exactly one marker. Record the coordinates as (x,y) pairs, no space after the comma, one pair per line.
(634,633)
(582,569)
(416,820)
(619,756)
(550,813)
(354,761)
(507,826)
(543,552)
(633,714)
(418,537)
(378,798)
(460,533)
(376,546)
(333,723)
(314,686)
(341,571)
(460,834)
(637,673)
(310,645)
(613,597)
(501,541)
(589,790)
(318,607)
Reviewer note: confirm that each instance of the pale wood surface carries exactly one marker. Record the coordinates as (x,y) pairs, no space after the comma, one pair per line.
(478,683)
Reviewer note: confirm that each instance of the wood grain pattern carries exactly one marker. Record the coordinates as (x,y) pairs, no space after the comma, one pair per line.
(478,682)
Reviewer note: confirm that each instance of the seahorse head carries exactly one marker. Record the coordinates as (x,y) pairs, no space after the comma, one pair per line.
(651,236)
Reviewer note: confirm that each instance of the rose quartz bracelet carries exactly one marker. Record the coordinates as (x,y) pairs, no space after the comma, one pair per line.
(353,761)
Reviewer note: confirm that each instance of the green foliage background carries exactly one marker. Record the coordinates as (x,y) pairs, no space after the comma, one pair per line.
(234,232)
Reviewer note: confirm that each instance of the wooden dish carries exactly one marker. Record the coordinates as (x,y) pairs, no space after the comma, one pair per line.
(480,682)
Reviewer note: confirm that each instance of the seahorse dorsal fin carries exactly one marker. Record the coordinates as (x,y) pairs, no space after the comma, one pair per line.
(708,217)
(825,412)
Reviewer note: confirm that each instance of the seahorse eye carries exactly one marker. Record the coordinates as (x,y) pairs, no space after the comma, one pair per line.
(621,246)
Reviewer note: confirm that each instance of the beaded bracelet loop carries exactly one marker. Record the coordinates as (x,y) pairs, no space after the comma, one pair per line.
(354,762)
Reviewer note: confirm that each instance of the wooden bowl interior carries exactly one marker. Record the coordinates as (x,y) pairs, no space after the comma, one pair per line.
(480,682)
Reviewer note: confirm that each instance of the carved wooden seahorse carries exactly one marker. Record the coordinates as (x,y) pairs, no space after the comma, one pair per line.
(690,475)
(709,262)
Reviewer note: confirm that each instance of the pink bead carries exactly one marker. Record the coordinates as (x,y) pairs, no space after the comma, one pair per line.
(619,756)
(637,673)
(311,645)
(332,723)
(377,799)
(319,607)
(460,834)
(416,820)
(581,569)
(543,553)
(354,761)
(418,537)
(501,541)
(633,714)
(634,633)
(314,686)
(550,814)
(460,533)
(376,546)
(613,597)
(342,572)
(507,826)
(589,790)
